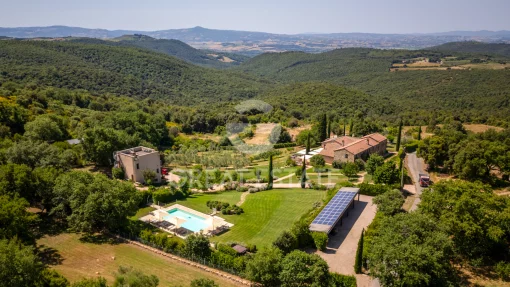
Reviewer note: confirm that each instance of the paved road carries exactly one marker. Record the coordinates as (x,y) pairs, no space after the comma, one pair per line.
(415,166)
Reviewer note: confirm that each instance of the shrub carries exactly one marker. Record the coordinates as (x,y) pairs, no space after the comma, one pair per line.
(202,282)
(358,264)
(339,280)
(242,188)
(503,270)
(412,146)
(373,162)
(286,242)
(320,239)
(338,164)
(350,169)
(118,173)
(360,163)
(374,189)
(302,233)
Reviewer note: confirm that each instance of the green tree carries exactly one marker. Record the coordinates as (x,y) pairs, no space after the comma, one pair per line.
(387,174)
(44,129)
(286,242)
(99,144)
(202,282)
(302,269)
(130,277)
(16,180)
(358,264)
(317,161)
(351,128)
(419,133)
(399,136)
(15,220)
(149,176)
(475,217)
(390,202)
(303,173)
(344,134)
(197,246)
(328,134)
(350,169)
(373,162)
(308,143)
(323,128)
(265,267)
(93,282)
(19,264)
(270,174)
(410,249)
(93,203)
(51,278)
(118,173)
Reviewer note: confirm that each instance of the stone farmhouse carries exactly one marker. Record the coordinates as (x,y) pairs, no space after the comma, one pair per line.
(348,149)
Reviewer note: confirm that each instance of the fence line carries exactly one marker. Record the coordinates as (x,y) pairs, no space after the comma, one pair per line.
(194,262)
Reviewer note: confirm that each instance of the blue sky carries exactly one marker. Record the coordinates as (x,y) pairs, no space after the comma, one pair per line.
(285,16)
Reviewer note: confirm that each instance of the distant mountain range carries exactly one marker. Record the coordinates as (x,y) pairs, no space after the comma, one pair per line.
(253,43)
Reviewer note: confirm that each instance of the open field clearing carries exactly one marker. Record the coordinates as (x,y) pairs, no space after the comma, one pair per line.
(261,134)
(477,128)
(80,260)
(266,214)
(295,131)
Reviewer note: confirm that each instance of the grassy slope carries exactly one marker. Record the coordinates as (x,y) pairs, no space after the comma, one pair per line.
(198,201)
(83,260)
(266,215)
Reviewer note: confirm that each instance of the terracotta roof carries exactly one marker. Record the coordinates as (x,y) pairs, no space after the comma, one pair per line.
(332,144)
(358,147)
(376,136)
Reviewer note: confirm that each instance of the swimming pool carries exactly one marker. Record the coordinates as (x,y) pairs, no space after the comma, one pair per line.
(192,222)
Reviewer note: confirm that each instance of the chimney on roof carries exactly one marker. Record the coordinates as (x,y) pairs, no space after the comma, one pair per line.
(368,143)
(343,143)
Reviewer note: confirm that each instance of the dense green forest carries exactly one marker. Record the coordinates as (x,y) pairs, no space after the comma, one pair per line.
(103,69)
(475,47)
(470,95)
(171,47)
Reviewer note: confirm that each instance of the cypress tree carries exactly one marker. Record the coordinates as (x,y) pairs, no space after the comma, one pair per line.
(303,173)
(270,176)
(399,135)
(351,126)
(358,264)
(344,127)
(329,129)
(308,144)
(419,133)
(323,128)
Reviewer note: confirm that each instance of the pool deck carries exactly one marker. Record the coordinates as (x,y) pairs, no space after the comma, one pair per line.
(173,225)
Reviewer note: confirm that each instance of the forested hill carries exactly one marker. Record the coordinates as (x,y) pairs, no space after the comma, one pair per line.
(475,47)
(128,71)
(471,94)
(172,47)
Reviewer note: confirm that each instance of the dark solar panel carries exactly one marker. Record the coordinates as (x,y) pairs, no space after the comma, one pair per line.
(335,208)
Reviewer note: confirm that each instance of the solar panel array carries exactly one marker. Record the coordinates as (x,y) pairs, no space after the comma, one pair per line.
(335,208)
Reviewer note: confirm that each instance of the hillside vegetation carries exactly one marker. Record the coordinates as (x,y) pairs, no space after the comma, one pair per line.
(470,95)
(134,72)
(475,47)
(172,47)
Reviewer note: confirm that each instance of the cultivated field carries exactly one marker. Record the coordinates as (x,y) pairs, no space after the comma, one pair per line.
(267,213)
(80,260)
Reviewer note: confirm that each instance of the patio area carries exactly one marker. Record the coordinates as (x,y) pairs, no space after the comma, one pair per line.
(183,221)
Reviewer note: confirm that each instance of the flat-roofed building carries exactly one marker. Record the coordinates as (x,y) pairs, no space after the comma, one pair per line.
(134,161)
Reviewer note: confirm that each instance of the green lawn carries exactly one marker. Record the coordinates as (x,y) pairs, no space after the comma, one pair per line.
(267,214)
(82,260)
(142,212)
(198,201)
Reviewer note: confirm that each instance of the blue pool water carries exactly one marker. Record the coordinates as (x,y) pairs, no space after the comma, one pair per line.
(193,222)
